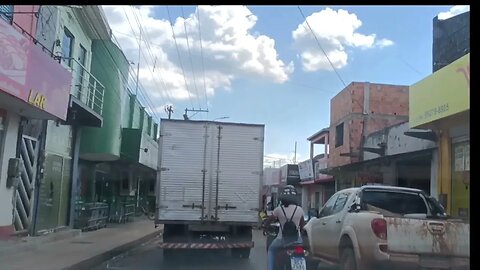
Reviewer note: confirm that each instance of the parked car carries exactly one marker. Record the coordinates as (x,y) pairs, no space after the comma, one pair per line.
(373,227)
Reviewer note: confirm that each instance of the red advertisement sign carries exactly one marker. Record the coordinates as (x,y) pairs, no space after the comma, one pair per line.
(29,74)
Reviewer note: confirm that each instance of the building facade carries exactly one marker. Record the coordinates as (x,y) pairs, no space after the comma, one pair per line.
(71,32)
(358,110)
(402,156)
(441,102)
(316,186)
(34,88)
(451,40)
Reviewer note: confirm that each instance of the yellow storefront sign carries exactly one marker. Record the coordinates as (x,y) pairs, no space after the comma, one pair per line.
(444,93)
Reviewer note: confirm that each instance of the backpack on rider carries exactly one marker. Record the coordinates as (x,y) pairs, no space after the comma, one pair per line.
(290,229)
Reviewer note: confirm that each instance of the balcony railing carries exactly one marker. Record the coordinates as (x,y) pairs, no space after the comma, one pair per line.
(85,87)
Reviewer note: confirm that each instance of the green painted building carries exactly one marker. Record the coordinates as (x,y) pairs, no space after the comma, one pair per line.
(110,67)
(119,159)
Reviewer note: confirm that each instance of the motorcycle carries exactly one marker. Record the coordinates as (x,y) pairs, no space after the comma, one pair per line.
(291,256)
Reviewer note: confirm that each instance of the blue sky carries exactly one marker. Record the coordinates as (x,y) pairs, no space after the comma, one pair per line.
(291,101)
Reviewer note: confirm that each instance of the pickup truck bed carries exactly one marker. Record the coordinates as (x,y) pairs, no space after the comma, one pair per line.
(388,227)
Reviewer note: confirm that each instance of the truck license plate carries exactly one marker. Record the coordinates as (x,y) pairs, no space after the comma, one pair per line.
(298,263)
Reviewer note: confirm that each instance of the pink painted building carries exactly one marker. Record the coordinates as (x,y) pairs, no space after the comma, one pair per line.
(33,87)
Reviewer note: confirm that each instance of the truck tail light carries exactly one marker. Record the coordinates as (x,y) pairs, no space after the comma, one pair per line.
(379,228)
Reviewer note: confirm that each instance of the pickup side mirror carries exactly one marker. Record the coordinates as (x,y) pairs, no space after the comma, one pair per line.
(312,212)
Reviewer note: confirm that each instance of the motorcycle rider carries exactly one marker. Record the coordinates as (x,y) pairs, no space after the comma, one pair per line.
(288,208)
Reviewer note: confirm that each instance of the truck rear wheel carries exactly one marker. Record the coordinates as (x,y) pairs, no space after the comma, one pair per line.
(242,253)
(172,233)
(243,234)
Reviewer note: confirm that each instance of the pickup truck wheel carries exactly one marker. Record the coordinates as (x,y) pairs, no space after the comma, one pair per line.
(347,259)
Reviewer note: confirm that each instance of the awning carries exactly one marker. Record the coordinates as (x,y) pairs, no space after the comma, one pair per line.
(323,179)
(356,165)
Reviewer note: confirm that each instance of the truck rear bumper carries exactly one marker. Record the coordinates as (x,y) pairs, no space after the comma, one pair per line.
(206,245)
(199,222)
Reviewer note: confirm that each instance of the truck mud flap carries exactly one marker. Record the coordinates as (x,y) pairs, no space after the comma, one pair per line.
(205,245)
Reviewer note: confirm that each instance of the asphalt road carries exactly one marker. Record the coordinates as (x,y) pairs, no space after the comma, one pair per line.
(148,257)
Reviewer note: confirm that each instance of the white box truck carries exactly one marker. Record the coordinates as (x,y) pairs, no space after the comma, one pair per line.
(208,185)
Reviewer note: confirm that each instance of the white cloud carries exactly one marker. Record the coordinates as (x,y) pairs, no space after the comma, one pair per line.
(230,49)
(335,30)
(454,11)
(384,43)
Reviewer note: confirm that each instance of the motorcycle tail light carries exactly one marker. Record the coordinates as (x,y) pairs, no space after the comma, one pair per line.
(299,250)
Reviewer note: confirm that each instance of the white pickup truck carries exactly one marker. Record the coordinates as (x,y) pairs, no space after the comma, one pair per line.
(385,227)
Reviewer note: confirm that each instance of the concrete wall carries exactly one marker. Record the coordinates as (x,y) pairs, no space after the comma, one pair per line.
(26,19)
(149,158)
(396,141)
(59,139)
(51,24)
(8,151)
(68,20)
(451,40)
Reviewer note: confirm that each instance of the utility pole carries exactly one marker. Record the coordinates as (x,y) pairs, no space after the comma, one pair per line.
(169,110)
(295,156)
(185,116)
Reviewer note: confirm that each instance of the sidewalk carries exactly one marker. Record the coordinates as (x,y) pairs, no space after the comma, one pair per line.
(80,252)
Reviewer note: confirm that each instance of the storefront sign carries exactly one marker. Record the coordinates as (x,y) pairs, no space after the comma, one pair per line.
(444,93)
(31,75)
(305,169)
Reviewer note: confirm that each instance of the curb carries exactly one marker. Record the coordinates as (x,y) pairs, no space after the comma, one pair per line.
(104,256)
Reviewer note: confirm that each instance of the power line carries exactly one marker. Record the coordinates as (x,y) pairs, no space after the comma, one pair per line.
(178,53)
(311,87)
(201,55)
(118,67)
(148,48)
(318,42)
(331,64)
(145,96)
(408,65)
(148,42)
(190,56)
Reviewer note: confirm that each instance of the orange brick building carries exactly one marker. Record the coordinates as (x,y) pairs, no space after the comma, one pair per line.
(359,110)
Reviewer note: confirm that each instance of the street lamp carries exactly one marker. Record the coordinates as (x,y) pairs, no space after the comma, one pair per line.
(219,118)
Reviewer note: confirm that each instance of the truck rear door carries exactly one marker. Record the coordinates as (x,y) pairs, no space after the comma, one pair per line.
(180,193)
(237,165)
